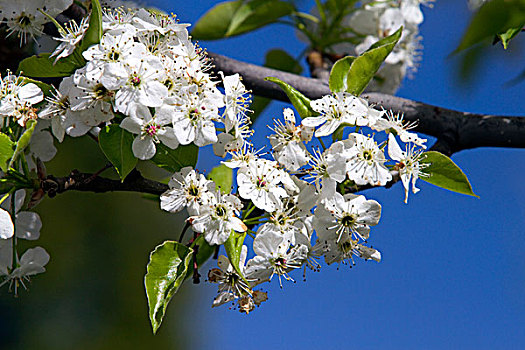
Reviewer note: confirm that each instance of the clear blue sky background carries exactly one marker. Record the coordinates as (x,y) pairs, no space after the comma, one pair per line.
(453,269)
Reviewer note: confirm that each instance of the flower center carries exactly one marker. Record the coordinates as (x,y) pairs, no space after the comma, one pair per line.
(24,20)
(135,80)
(100,91)
(280,262)
(194,115)
(346,246)
(113,55)
(193,191)
(367,155)
(152,129)
(261,183)
(348,220)
(220,211)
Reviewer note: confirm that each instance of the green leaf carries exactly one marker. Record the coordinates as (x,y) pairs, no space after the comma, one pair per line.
(232,18)
(94,31)
(352,74)
(510,34)
(223,178)
(339,74)
(175,159)
(299,101)
(116,143)
(446,174)
(41,66)
(258,13)
(166,270)
(6,151)
(493,18)
(23,141)
(233,248)
(215,23)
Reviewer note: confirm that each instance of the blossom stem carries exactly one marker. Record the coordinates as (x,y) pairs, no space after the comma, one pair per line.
(248,211)
(184,231)
(24,166)
(322,143)
(7,195)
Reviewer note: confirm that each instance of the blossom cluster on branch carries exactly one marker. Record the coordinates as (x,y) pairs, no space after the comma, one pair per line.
(135,82)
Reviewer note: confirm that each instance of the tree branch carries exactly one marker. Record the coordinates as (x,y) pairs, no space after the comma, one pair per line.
(455,130)
(76,181)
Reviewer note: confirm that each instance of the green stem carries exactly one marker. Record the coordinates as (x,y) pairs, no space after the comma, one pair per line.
(248,211)
(322,143)
(11,191)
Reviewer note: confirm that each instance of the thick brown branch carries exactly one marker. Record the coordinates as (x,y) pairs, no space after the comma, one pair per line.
(76,181)
(455,130)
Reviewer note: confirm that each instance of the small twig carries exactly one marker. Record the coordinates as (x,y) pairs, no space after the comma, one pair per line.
(196,275)
(184,231)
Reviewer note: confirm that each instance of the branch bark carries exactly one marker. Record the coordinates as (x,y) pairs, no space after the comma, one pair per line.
(77,181)
(455,130)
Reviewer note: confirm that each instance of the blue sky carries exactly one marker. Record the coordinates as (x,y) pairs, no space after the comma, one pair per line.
(453,272)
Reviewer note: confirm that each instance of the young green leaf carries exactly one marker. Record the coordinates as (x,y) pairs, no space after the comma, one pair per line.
(223,177)
(116,143)
(6,151)
(233,247)
(175,159)
(94,31)
(339,74)
(352,74)
(256,14)
(214,24)
(446,174)
(510,34)
(299,101)
(232,18)
(166,270)
(493,18)
(41,66)
(23,141)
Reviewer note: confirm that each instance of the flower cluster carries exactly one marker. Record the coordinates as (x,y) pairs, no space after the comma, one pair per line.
(297,202)
(27,18)
(379,19)
(146,74)
(301,196)
(19,225)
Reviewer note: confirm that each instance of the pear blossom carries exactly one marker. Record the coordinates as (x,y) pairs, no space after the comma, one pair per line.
(287,142)
(31,263)
(409,164)
(188,189)
(150,130)
(349,214)
(71,35)
(336,110)
(259,182)
(275,256)
(394,122)
(218,218)
(365,161)
(328,169)
(231,284)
